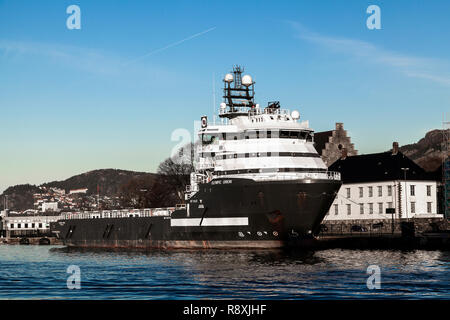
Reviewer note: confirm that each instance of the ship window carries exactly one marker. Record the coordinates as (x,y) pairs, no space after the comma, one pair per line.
(295,134)
(247,155)
(269,133)
(284,134)
(208,138)
(309,138)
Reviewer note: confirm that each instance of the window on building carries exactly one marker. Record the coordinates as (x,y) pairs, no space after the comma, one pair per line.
(349,209)
(40,225)
(361,208)
(413,190)
(336,210)
(413,207)
(370,208)
(11,225)
(370,191)
(18,226)
(428,207)
(361,193)
(32,225)
(348,193)
(26,225)
(389,191)
(428,191)
(380,207)
(390,205)
(380,191)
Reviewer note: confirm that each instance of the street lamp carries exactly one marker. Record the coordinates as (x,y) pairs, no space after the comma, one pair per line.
(406,193)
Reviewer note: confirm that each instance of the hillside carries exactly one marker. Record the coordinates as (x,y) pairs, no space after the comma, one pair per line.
(110,182)
(428,151)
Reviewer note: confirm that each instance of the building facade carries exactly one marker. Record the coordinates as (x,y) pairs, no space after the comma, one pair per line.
(375,182)
(330,144)
(28,225)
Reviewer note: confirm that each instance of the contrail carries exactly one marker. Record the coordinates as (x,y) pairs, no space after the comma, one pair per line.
(169,46)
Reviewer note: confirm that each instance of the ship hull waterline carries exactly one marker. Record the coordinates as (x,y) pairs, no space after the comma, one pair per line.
(223,214)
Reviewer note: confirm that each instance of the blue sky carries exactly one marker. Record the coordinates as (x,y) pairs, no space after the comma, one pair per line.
(110,95)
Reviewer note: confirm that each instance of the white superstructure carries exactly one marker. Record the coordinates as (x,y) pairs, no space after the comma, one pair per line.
(256,143)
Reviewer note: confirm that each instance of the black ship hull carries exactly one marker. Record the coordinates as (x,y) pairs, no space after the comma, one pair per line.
(225,213)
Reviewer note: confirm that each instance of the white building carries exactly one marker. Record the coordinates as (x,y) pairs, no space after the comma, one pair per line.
(23,225)
(83,190)
(49,206)
(374,182)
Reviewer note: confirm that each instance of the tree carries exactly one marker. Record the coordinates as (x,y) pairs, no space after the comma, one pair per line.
(176,176)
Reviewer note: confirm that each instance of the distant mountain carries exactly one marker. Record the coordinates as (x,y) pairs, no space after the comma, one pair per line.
(109,181)
(428,151)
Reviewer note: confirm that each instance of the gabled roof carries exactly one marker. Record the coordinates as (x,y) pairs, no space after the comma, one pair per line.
(378,167)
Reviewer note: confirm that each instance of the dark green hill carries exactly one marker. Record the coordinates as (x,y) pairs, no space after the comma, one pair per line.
(109,181)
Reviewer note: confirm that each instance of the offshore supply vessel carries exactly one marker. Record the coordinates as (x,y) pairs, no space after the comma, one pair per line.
(258,183)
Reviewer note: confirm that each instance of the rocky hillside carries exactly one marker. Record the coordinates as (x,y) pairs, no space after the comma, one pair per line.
(428,151)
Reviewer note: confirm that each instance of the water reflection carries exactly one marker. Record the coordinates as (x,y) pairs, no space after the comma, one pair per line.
(177,274)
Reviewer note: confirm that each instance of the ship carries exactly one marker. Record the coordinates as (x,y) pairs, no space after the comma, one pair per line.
(258,182)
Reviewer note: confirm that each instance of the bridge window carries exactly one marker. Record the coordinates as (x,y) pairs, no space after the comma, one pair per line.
(209,138)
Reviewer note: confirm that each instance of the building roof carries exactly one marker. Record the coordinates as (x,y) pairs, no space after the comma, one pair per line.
(320,139)
(384,166)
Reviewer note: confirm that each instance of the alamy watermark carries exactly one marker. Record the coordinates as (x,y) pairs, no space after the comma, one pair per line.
(74,20)
(374,280)
(374,20)
(74,280)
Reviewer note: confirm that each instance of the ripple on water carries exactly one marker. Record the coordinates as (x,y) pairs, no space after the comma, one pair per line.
(39,272)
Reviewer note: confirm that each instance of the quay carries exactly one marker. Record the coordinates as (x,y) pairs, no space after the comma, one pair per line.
(31,241)
(426,241)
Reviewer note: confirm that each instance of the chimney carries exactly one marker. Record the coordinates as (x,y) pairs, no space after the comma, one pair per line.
(343,153)
(394,148)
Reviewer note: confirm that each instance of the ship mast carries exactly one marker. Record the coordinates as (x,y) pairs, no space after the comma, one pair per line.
(238,94)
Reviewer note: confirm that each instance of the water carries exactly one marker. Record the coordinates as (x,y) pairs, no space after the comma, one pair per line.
(39,272)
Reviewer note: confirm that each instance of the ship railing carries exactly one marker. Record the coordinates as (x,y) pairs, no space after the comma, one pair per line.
(330,175)
(271,111)
(334,175)
(125,213)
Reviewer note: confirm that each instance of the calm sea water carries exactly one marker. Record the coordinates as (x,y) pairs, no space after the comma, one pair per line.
(40,272)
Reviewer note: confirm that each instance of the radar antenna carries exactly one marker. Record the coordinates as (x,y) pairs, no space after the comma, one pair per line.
(238,93)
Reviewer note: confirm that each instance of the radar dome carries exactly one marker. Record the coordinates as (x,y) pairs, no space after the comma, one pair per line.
(257,106)
(295,115)
(223,105)
(247,80)
(228,78)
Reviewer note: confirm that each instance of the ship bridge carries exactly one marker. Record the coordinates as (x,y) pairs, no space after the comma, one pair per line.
(256,143)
